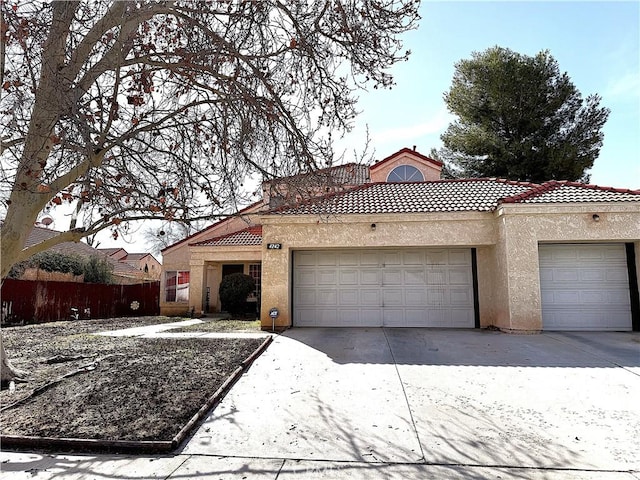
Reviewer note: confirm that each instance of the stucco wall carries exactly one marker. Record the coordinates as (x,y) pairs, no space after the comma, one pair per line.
(522,227)
(411,230)
(506,241)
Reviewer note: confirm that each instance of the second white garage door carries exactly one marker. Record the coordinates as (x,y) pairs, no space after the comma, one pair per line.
(585,287)
(393,288)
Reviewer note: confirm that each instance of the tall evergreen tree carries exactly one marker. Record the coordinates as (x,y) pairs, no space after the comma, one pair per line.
(520,118)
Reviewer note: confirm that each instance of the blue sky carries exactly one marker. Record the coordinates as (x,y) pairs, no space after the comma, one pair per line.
(596,43)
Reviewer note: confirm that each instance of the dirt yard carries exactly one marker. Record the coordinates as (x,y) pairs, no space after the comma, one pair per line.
(127,388)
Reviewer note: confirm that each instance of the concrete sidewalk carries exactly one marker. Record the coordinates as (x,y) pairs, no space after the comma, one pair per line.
(406,403)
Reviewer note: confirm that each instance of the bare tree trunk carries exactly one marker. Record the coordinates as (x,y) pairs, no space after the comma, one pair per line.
(7,371)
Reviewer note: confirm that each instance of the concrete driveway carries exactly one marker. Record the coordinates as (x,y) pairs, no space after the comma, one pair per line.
(443,397)
(408,403)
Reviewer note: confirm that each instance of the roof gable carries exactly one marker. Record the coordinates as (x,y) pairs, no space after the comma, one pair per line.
(250,236)
(407,152)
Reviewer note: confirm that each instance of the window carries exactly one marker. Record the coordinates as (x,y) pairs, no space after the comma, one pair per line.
(405,173)
(177,286)
(255,270)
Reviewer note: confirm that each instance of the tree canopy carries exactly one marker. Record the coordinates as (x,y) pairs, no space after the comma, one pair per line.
(155,109)
(520,118)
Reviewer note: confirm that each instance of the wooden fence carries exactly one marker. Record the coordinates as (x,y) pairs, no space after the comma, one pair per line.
(47,301)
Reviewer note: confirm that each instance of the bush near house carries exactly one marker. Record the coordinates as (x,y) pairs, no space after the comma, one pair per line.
(234,290)
(50,262)
(96,269)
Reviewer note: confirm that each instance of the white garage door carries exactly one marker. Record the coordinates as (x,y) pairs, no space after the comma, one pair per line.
(394,288)
(584,287)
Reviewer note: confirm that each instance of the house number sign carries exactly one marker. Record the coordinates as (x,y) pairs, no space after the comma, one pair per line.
(274,246)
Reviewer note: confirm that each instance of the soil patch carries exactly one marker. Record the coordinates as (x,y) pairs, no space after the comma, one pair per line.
(134,388)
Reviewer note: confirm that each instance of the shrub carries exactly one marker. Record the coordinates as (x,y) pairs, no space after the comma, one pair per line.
(234,290)
(50,262)
(98,270)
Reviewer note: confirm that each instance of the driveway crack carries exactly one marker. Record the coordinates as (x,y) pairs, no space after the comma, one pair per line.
(404,392)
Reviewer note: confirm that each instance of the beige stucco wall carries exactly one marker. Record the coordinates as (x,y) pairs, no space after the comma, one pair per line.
(355,231)
(506,243)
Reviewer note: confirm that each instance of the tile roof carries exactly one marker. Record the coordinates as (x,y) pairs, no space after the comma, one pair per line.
(349,174)
(414,197)
(254,207)
(573,192)
(250,236)
(476,194)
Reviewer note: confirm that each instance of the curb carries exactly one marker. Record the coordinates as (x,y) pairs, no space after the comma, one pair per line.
(136,446)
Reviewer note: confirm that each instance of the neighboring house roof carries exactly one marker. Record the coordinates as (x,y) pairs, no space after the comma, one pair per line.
(113,252)
(477,194)
(250,236)
(137,256)
(414,197)
(572,192)
(39,234)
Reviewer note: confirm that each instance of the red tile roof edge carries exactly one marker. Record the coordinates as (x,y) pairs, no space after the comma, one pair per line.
(555,184)
(253,229)
(226,219)
(407,150)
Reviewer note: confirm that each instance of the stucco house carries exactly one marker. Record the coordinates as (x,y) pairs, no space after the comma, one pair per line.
(145,263)
(392,244)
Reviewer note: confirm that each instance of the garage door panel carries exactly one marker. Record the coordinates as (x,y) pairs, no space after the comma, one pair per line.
(459,257)
(306,258)
(413,257)
(437,297)
(369,276)
(403,288)
(304,277)
(327,258)
(349,296)
(349,276)
(327,298)
(414,276)
(461,297)
(392,276)
(414,298)
(392,297)
(348,259)
(391,258)
(437,257)
(370,297)
(326,277)
(305,297)
(369,258)
(584,287)
(459,276)
(437,276)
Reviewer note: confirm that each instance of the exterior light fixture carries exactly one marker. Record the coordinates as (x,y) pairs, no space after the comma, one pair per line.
(596,217)
(373,227)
